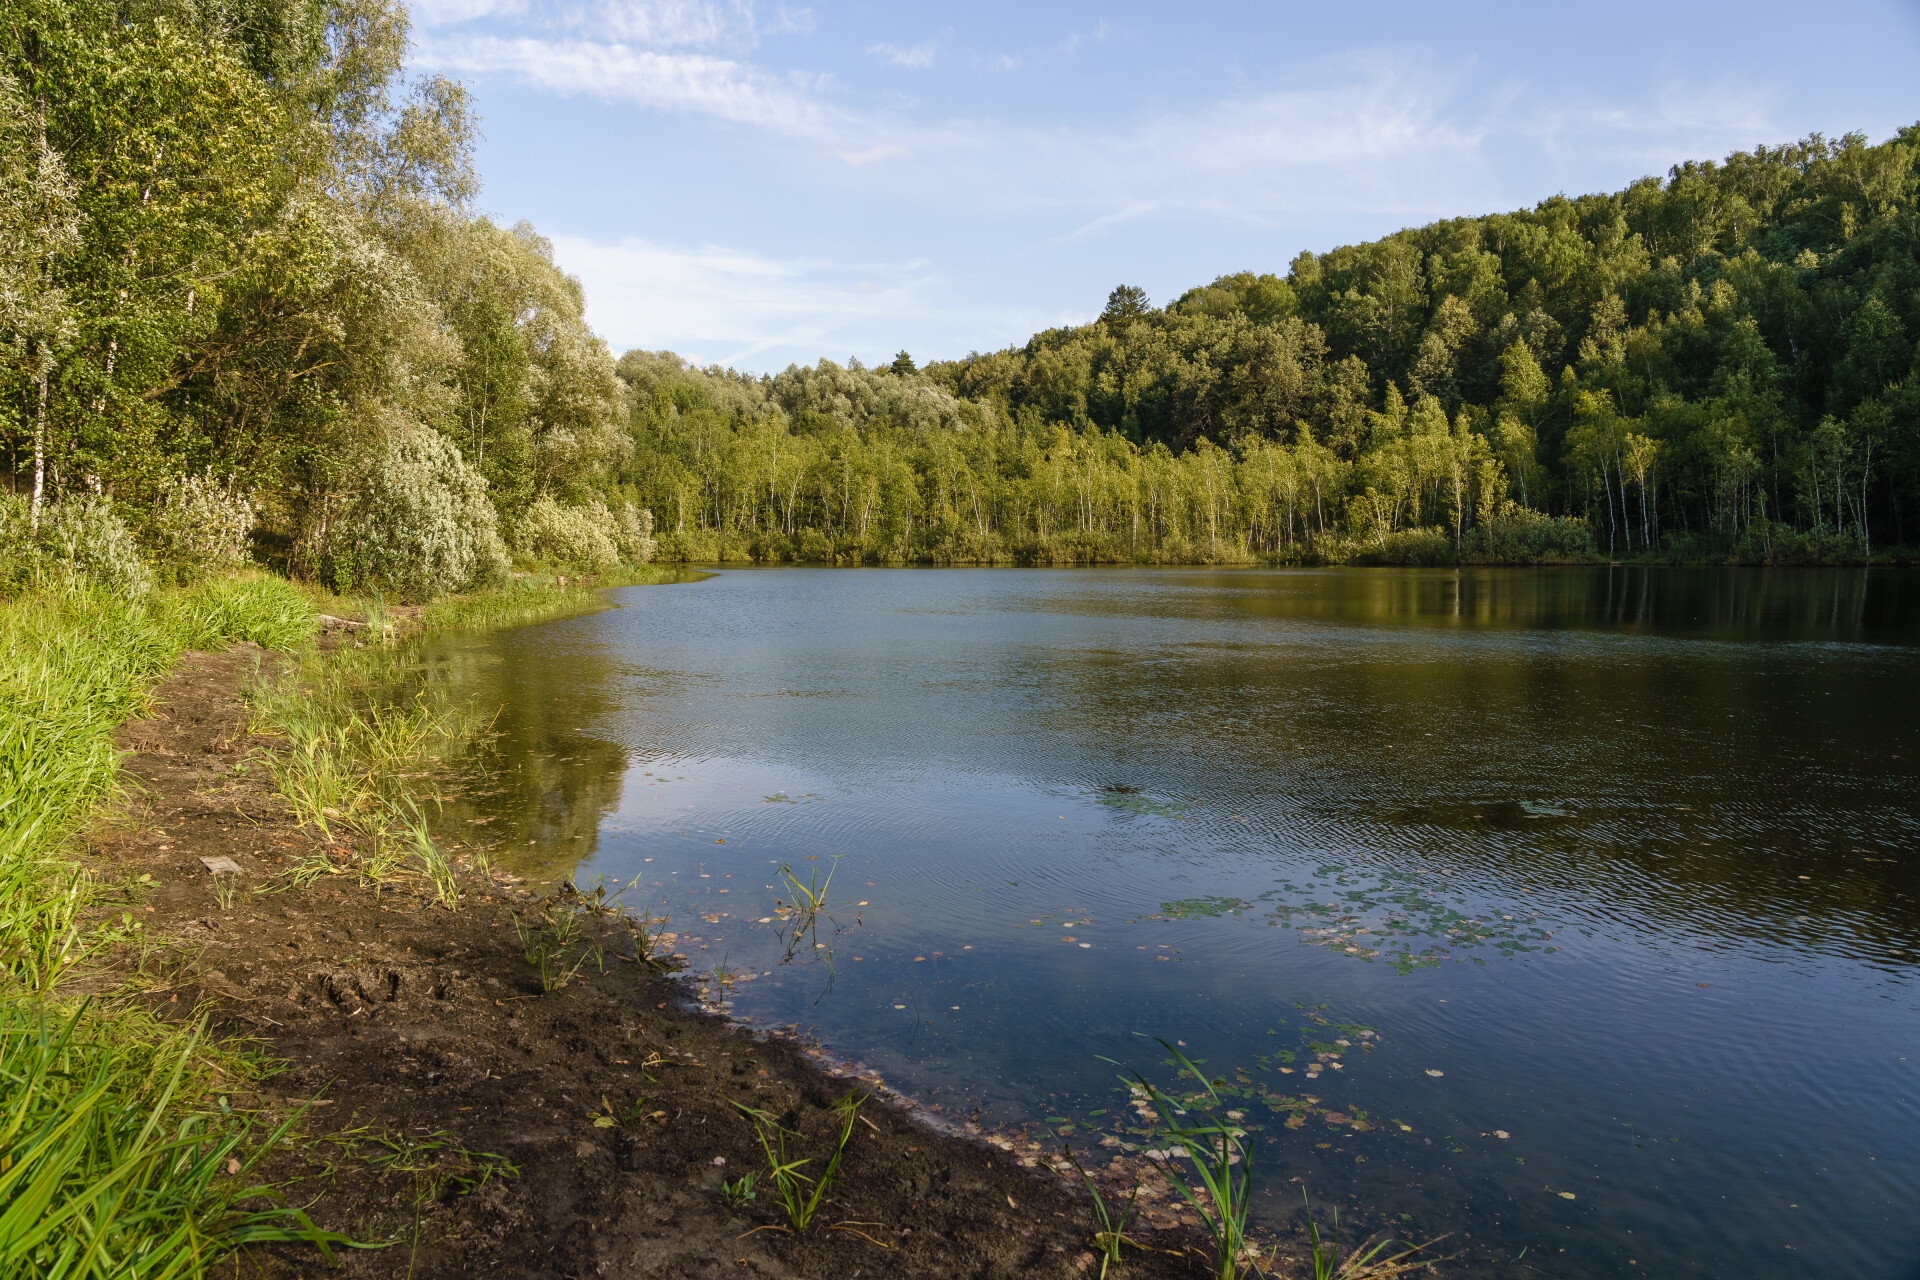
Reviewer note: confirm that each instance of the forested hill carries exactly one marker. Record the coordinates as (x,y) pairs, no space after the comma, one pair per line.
(1711,364)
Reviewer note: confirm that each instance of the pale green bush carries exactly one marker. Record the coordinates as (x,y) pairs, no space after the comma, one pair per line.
(202,527)
(79,538)
(416,521)
(581,536)
(633,533)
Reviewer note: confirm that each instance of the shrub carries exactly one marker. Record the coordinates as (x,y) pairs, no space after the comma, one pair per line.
(633,533)
(79,539)
(1518,535)
(417,521)
(814,547)
(579,536)
(683,545)
(201,527)
(1411,547)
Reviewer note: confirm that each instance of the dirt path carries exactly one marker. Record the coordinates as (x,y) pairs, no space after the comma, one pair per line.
(429,1037)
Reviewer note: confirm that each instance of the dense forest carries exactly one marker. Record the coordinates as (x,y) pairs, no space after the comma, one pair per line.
(245,306)
(1710,366)
(247,309)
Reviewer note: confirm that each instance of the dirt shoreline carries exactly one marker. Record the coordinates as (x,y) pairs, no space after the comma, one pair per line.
(428,1037)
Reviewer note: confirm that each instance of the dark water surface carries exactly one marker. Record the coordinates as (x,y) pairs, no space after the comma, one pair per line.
(1620,865)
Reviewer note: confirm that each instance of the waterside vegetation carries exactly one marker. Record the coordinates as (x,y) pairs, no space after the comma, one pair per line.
(1715,365)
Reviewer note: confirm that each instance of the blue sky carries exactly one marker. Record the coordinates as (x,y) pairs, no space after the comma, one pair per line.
(755,184)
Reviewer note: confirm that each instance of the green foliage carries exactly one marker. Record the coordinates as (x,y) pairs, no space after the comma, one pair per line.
(417,521)
(577,537)
(790,1185)
(81,540)
(1717,366)
(201,527)
(119,1160)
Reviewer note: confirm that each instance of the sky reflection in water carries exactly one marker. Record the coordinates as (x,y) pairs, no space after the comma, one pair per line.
(1624,856)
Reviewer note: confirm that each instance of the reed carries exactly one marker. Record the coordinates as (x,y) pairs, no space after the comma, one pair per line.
(790,1186)
(1220,1187)
(116,1163)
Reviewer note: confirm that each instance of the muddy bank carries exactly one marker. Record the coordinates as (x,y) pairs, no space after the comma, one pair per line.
(484,1126)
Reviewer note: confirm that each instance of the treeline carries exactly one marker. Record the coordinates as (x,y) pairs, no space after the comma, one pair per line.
(242,288)
(1715,365)
(247,309)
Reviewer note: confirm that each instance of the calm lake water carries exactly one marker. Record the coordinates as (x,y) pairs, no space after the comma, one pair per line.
(1618,868)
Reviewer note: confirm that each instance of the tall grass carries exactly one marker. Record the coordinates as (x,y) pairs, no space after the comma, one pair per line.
(112,1160)
(119,1158)
(539,597)
(74,663)
(1219,1185)
(362,727)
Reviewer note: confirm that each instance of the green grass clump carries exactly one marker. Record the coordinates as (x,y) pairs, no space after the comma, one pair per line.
(269,611)
(789,1184)
(74,663)
(1220,1187)
(118,1157)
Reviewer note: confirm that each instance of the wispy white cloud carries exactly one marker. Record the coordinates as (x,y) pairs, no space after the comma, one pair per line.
(873,155)
(736,307)
(729,89)
(736,25)
(919,57)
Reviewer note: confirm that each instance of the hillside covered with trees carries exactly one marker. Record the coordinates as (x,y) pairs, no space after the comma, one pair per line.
(1711,365)
(247,308)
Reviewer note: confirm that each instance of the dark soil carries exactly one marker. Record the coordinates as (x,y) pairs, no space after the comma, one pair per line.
(440,1063)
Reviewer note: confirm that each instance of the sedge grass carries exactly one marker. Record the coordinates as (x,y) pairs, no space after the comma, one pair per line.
(1113,1228)
(790,1186)
(120,1158)
(1220,1186)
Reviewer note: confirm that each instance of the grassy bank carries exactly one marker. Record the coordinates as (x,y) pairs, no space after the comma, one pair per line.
(125,1143)
(119,1153)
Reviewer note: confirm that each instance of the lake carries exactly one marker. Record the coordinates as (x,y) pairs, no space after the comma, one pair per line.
(1590,894)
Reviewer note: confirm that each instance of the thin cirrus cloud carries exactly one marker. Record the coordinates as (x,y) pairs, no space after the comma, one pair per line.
(731,90)
(737,307)
(918,58)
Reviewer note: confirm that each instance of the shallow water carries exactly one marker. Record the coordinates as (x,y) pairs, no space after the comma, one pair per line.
(1634,853)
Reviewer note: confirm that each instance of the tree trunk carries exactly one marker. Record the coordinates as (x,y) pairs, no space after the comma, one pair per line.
(39,454)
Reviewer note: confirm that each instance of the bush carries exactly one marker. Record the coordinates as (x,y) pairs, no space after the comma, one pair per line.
(579,536)
(80,539)
(813,547)
(1519,535)
(417,522)
(683,545)
(201,527)
(633,533)
(1424,547)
